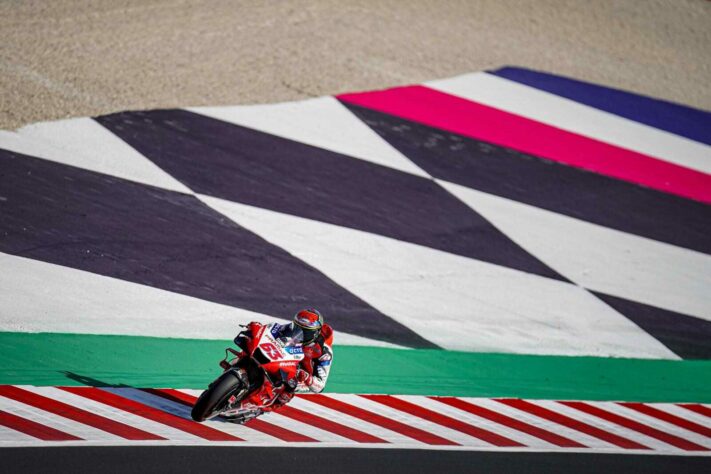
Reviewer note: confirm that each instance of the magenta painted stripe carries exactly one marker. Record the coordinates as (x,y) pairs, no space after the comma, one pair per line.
(464,117)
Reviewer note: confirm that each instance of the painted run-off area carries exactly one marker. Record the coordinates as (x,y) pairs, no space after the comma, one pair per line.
(553,268)
(548,275)
(74,359)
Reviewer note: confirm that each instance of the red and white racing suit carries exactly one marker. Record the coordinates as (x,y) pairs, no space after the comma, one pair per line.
(320,354)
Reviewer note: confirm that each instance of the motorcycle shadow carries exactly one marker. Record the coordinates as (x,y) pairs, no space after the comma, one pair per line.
(92,382)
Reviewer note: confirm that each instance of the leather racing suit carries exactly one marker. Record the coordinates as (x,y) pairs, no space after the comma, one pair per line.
(320,354)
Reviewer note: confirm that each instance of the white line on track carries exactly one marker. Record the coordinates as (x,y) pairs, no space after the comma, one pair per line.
(355,446)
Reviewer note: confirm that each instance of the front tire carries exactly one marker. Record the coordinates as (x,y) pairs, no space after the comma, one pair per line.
(215,398)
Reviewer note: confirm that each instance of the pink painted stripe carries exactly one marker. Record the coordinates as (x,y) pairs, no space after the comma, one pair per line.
(464,117)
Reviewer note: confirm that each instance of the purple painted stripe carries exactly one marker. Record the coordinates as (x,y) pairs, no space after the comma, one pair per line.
(240,164)
(687,336)
(682,120)
(546,184)
(159,238)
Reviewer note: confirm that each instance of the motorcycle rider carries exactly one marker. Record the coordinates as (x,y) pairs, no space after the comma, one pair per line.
(317,345)
(318,348)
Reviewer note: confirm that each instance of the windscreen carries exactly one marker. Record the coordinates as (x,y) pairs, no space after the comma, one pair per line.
(291,334)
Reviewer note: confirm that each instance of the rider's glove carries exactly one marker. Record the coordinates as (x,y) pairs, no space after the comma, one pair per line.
(304,377)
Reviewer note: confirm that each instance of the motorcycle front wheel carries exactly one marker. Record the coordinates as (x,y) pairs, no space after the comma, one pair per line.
(215,398)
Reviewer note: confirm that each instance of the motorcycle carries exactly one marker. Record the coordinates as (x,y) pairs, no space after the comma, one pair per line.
(255,377)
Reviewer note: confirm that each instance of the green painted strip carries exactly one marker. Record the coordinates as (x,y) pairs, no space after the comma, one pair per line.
(73,359)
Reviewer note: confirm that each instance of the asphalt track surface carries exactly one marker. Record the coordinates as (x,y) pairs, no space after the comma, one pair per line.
(174,459)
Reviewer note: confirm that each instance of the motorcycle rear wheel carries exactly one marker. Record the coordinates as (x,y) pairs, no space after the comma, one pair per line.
(214,399)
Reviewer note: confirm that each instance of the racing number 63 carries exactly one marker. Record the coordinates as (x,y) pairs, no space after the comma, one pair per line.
(269,349)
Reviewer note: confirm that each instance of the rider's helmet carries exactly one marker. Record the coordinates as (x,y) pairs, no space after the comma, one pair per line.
(310,321)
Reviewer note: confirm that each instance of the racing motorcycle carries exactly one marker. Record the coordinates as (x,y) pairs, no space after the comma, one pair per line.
(253,378)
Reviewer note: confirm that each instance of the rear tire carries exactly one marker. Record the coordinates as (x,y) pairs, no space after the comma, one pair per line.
(215,397)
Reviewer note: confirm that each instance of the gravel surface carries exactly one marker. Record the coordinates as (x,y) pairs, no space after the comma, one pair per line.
(65,58)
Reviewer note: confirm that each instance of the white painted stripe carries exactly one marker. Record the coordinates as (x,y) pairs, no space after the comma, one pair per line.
(243,432)
(525,417)
(281,421)
(86,303)
(277,420)
(479,422)
(575,435)
(653,422)
(190,391)
(660,425)
(675,410)
(351,421)
(410,420)
(55,421)
(249,435)
(183,411)
(121,416)
(9,435)
(599,258)
(498,308)
(83,143)
(292,425)
(572,116)
(305,429)
(604,425)
(322,122)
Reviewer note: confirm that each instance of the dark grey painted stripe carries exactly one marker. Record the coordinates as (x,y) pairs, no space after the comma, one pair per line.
(217,459)
(563,189)
(240,164)
(106,225)
(687,336)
